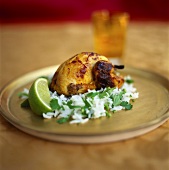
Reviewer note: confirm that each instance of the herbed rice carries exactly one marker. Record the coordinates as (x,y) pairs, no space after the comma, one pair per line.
(83,107)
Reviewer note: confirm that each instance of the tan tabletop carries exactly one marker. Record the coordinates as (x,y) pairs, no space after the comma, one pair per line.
(29,47)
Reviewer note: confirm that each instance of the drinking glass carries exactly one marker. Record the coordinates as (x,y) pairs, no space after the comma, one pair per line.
(109,31)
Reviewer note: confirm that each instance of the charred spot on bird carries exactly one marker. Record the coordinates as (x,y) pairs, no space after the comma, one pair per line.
(103,66)
(104,75)
(83,70)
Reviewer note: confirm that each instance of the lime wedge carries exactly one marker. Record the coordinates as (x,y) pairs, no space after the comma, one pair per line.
(39,96)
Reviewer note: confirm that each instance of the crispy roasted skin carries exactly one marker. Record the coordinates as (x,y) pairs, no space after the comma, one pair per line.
(84,71)
(104,75)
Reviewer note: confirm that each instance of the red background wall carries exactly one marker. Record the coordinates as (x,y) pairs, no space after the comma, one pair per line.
(79,10)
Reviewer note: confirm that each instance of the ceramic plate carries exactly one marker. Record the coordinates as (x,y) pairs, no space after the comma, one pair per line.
(149,111)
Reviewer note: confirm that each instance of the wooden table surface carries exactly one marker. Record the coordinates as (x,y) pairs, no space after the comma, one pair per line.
(28,47)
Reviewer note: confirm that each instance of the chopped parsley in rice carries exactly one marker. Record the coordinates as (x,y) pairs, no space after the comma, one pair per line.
(93,104)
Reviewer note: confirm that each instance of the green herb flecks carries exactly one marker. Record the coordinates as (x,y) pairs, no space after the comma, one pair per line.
(63,120)
(129,81)
(54,104)
(25,103)
(92,94)
(127,105)
(108,114)
(69,104)
(116,100)
(23,94)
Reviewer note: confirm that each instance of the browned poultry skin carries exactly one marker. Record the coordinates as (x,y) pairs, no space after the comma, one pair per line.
(104,75)
(83,72)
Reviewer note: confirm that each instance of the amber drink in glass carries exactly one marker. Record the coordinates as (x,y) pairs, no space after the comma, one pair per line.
(109,33)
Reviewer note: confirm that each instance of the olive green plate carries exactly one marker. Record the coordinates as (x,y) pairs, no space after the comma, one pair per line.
(149,111)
